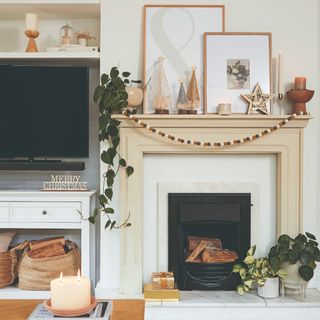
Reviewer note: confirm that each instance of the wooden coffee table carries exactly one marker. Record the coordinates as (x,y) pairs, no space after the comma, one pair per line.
(20,309)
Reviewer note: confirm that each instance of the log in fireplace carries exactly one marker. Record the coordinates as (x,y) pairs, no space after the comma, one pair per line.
(207,233)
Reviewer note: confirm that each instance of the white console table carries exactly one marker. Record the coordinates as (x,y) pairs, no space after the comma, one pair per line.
(27,209)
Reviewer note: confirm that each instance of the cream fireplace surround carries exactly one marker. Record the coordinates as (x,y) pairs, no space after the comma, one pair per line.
(286,143)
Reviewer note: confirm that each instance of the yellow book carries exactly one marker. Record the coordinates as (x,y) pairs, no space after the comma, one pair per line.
(151,294)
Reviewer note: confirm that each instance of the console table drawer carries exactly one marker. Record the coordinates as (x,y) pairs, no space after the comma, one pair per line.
(4,211)
(45,212)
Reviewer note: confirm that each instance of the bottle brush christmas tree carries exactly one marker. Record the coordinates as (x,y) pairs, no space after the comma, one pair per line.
(193,93)
(161,94)
(182,102)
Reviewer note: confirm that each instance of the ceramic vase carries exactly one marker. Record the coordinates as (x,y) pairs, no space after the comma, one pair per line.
(135,96)
(270,288)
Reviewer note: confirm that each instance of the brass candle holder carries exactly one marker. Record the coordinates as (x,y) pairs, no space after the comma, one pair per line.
(32,35)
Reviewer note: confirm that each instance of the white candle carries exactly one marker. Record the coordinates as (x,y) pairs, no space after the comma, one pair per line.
(280,73)
(31,22)
(70,293)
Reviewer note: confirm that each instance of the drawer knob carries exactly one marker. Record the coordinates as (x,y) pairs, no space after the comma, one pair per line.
(44,212)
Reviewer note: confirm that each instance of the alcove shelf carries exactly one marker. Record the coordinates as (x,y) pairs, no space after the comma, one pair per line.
(87,58)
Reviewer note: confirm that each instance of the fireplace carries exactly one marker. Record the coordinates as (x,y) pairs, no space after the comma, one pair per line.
(220,221)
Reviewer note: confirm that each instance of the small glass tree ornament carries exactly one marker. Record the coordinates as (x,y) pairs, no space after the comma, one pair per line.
(67,35)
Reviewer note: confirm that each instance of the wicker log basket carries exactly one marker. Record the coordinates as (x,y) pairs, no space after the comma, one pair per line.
(37,273)
(8,265)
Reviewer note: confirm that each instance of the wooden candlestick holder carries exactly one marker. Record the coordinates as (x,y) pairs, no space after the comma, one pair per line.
(32,35)
(300,98)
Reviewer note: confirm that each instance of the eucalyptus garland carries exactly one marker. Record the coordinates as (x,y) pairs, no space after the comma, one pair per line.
(112,98)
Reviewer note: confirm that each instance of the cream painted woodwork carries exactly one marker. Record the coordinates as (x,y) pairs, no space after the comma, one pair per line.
(286,143)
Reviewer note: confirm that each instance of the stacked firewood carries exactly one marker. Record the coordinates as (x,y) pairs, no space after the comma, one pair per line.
(46,248)
(208,250)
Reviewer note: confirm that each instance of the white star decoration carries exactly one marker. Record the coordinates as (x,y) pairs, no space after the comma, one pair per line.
(258,100)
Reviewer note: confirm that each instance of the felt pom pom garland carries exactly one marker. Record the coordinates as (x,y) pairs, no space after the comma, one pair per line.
(216,145)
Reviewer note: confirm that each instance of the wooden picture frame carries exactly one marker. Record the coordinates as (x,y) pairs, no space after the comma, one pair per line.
(182,46)
(221,86)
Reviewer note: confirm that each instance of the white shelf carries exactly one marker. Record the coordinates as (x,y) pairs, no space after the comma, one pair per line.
(92,58)
(13,292)
(50,9)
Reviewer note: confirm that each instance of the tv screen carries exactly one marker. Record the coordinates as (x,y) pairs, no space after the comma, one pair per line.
(44,112)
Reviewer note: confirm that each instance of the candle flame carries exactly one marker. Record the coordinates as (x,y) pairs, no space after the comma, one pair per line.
(61,274)
(78,275)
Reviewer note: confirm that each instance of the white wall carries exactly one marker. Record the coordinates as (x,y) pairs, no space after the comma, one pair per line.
(295,28)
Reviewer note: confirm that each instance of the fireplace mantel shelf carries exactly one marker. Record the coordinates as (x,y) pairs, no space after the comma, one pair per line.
(136,142)
(214,121)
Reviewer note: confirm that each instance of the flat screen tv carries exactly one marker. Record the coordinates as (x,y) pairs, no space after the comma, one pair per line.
(44,112)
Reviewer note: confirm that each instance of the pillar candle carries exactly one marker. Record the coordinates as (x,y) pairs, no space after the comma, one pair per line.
(300,83)
(70,293)
(280,73)
(224,108)
(31,22)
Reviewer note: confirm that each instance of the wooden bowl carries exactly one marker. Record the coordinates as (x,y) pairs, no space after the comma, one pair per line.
(70,313)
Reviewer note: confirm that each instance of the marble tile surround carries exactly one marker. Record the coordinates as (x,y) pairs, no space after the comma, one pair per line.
(201,187)
(228,305)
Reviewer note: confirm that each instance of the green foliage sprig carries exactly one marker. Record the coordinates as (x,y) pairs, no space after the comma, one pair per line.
(254,272)
(303,249)
(112,98)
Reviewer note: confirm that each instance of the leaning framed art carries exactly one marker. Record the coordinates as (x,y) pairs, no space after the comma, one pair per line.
(175,32)
(233,65)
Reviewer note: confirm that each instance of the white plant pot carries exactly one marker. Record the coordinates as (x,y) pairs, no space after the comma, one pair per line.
(135,96)
(270,288)
(293,283)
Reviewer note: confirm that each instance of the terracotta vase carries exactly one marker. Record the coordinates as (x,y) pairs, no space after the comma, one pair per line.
(135,96)
(300,98)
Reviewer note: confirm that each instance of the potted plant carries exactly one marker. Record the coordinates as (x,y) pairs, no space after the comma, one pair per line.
(258,273)
(112,99)
(298,256)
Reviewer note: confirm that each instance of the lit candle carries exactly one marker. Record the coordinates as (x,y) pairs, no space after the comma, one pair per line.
(300,83)
(70,293)
(31,22)
(280,74)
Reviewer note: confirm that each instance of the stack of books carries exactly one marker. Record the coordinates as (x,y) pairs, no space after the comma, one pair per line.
(102,311)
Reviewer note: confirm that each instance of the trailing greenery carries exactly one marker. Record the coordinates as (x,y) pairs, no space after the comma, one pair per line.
(254,272)
(112,98)
(303,248)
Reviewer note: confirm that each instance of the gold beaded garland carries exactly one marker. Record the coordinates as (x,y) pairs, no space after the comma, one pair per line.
(213,144)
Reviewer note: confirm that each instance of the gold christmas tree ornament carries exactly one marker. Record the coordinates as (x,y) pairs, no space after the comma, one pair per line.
(258,100)
(161,94)
(193,93)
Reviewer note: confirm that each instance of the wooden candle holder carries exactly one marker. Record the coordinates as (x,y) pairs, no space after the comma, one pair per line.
(300,98)
(32,35)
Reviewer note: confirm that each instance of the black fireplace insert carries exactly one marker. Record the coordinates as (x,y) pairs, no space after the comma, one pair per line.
(222,217)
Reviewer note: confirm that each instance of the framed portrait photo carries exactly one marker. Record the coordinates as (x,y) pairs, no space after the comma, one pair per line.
(175,32)
(233,65)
